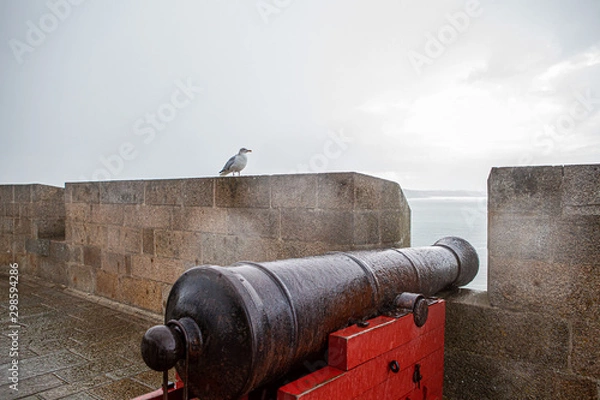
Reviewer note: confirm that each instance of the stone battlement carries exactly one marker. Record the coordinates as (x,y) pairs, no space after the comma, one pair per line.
(130,240)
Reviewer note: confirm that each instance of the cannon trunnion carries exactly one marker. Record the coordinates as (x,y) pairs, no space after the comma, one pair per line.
(230,330)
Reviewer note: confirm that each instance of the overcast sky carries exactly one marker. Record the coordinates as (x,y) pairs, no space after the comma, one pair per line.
(431,94)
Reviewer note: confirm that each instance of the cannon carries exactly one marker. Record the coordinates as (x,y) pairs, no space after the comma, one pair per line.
(230,330)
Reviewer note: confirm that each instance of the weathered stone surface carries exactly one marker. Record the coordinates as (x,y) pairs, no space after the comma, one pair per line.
(22,193)
(474,326)
(78,212)
(366,228)
(82,192)
(142,216)
(200,219)
(522,237)
(96,235)
(515,283)
(107,214)
(244,192)
(168,243)
(92,256)
(390,225)
(578,239)
(198,192)
(164,192)
(40,247)
(156,268)
(113,263)
(221,249)
(46,193)
(122,192)
(336,191)
(148,241)
(471,376)
(526,190)
(581,185)
(294,191)
(81,277)
(6,194)
(107,284)
(328,226)
(141,293)
(253,222)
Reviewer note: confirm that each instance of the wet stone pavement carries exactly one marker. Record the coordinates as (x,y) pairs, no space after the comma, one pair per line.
(72,347)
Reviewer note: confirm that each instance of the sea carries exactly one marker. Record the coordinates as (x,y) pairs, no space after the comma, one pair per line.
(434,217)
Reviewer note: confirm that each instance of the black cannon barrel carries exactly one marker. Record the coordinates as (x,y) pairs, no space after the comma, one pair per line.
(248,324)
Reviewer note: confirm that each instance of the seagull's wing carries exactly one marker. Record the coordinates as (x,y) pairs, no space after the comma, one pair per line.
(228,164)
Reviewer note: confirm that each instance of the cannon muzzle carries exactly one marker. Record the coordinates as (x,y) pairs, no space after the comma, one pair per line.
(229,330)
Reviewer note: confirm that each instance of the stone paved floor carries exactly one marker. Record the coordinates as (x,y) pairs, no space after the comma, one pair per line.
(72,347)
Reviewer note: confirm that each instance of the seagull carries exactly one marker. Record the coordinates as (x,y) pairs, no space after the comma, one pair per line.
(236,163)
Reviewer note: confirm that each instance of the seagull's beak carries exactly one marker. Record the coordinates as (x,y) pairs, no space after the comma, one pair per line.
(248,151)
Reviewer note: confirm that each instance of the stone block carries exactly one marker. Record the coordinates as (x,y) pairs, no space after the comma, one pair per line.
(53,271)
(122,192)
(92,256)
(392,197)
(131,240)
(253,222)
(141,216)
(7,225)
(369,192)
(168,243)
(76,233)
(200,219)
(198,192)
(24,226)
(61,252)
(107,285)
(40,247)
(336,191)
(164,192)
(114,263)
(81,277)
(523,237)
(294,191)
(526,190)
(148,243)
(225,250)
(88,192)
(282,249)
(518,284)
(472,325)
(366,228)
(96,235)
(78,212)
(159,269)
(581,186)
(22,193)
(243,192)
(471,376)
(390,225)
(107,214)
(141,293)
(586,342)
(191,247)
(328,226)
(578,239)
(46,193)
(7,194)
